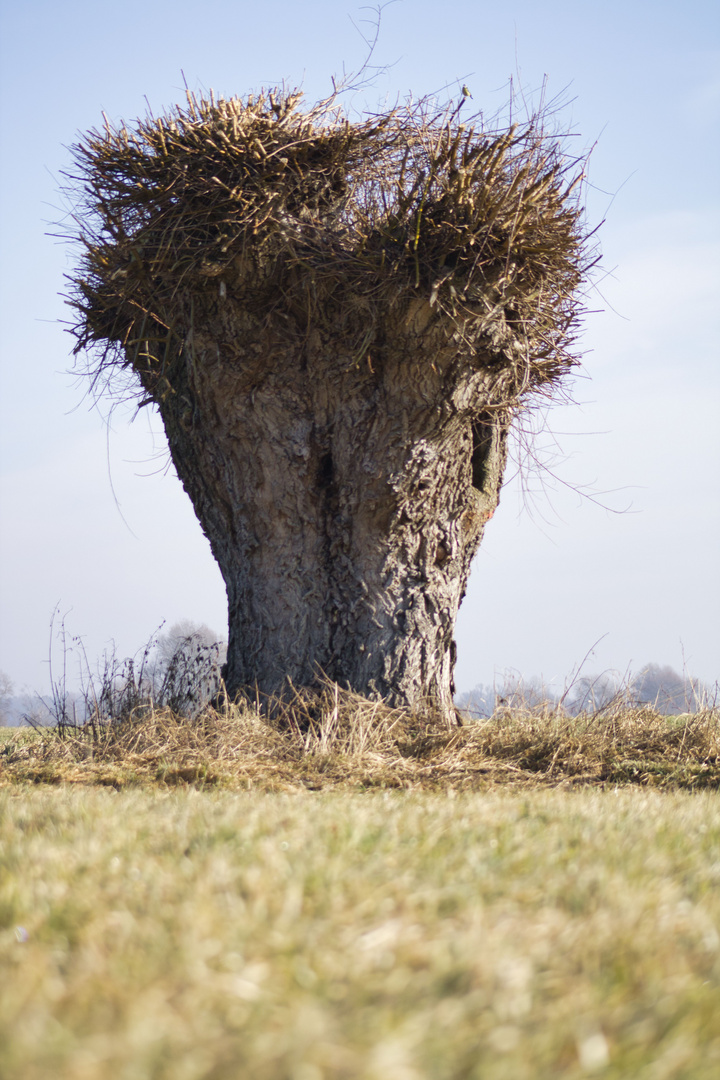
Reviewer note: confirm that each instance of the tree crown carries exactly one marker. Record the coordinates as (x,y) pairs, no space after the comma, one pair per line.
(308,220)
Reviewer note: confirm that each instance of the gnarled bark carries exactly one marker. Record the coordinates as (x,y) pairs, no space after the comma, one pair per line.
(343,501)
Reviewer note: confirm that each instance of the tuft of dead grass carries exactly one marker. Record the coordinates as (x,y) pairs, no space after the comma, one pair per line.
(333,738)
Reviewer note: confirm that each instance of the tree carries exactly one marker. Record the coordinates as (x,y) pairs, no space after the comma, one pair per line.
(6,692)
(667,691)
(184,670)
(185,638)
(338,323)
(591,693)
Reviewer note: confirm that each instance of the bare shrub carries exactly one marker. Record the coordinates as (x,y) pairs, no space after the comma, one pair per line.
(179,671)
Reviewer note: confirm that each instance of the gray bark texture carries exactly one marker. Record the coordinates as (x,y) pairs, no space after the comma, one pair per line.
(343,501)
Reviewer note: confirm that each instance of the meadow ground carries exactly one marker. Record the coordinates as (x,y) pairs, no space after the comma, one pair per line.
(339,914)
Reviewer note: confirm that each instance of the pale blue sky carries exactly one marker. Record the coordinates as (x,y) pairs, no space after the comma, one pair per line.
(556,572)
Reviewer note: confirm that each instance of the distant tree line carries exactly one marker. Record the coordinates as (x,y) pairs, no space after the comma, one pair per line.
(659,686)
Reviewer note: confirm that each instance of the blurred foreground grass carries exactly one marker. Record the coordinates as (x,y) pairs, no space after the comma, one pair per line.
(388,935)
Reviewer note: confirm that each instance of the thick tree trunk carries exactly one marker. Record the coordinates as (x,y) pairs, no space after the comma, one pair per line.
(343,497)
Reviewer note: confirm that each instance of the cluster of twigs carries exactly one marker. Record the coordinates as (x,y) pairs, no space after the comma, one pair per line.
(304,219)
(183,682)
(333,738)
(183,685)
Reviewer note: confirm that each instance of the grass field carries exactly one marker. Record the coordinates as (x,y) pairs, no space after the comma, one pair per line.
(163,927)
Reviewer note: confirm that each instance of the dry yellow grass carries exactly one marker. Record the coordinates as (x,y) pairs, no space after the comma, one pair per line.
(381,936)
(334,738)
